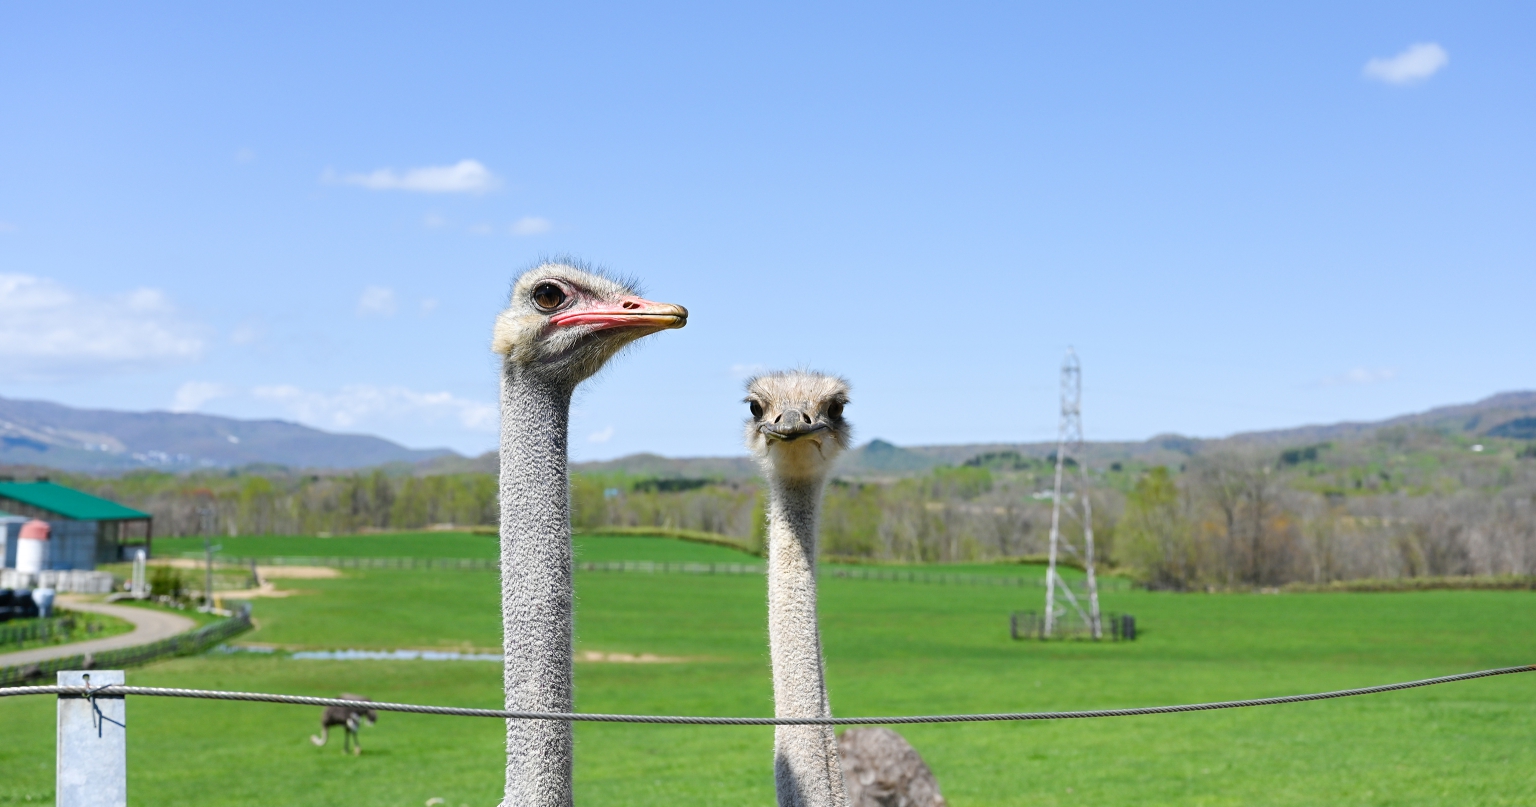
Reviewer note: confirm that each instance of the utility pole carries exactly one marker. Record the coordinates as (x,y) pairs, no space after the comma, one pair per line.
(1070,497)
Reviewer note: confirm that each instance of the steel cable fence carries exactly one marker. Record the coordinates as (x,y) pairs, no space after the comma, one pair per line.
(303,700)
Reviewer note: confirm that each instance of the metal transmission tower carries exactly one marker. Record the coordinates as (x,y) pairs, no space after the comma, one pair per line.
(1071,497)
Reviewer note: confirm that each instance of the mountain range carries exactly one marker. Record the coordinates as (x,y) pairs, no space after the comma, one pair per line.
(39,433)
(47,434)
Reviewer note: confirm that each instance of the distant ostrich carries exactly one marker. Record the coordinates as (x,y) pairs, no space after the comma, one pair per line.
(349,716)
(796,432)
(562,324)
(884,770)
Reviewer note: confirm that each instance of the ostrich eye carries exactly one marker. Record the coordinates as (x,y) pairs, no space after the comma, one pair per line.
(757,408)
(548,296)
(835,409)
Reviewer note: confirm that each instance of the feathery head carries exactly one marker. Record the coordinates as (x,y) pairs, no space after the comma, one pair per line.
(566,321)
(796,429)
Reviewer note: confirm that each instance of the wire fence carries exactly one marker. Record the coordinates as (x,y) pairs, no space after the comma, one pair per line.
(116,690)
(37,630)
(894,575)
(1113,626)
(181,644)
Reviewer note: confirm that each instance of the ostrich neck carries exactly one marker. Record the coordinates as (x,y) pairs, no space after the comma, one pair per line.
(537,597)
(807,772)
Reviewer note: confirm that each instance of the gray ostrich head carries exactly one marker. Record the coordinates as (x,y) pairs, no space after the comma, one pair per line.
(796,429)
(565,321)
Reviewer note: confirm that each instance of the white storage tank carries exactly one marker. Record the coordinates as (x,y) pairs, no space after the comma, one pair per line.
(10,527)
(32,547)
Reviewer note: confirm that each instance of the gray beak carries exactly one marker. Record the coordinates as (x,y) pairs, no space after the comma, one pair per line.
(792,425)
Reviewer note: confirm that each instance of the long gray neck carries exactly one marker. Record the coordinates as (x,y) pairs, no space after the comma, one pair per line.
(537,595)
(806,769)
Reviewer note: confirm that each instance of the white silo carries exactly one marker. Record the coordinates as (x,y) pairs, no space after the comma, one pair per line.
(32,547)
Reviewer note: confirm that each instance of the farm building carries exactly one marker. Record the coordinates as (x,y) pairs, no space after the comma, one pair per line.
(84,530)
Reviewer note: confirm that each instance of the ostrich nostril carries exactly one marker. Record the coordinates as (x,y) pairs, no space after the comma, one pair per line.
(631,304)
(805,417)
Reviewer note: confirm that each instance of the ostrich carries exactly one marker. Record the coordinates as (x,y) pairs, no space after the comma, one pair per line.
(563,323)
(796,432)
(884,770)
(349,716)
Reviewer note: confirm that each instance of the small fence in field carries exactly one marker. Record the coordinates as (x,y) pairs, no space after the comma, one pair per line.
(194,641)
(1113,626)
(43,630)
(883,573)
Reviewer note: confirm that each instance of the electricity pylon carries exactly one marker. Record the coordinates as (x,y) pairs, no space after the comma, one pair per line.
(1071,496)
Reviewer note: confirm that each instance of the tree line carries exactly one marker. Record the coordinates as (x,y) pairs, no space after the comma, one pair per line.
(1401,504)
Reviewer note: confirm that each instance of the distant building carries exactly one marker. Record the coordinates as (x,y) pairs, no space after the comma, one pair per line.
(84,530)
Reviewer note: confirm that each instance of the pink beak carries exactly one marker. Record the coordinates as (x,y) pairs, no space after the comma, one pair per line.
(630,312)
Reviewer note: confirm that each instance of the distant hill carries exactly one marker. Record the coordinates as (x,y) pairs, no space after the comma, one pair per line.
(46,434)
(1509,415)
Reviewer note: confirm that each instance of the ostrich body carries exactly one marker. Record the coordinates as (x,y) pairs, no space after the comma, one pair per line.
(796,432)
(562,324)
(884,770)
(349,717)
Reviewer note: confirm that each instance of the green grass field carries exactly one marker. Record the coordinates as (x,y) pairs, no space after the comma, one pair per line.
(892,648)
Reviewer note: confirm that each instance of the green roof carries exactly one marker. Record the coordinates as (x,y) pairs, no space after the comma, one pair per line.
(67,502)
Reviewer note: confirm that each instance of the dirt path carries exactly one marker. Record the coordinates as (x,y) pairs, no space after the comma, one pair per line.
(149,626)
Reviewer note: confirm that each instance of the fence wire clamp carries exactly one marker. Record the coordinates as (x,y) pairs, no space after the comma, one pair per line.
(89,693)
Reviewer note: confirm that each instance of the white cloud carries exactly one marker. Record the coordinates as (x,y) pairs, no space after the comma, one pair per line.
(245,333)
(245,155)
(1360,376)
(1413,65)
(601,437)
(376,301)
(353,406)
(531,225)
(428,305)
(49,331)
(433,221)
(465,176)
(745,371)
(191,396)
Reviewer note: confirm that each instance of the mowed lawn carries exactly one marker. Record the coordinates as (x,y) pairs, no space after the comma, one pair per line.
(893,648)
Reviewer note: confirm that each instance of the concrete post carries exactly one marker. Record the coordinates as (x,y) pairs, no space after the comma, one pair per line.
(93,743)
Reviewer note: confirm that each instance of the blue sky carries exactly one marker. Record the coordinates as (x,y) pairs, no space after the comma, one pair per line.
(1242,218)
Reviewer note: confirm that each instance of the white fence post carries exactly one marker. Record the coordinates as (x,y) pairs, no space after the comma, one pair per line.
(93,743)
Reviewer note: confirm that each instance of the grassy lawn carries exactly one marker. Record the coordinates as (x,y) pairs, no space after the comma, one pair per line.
(893,648)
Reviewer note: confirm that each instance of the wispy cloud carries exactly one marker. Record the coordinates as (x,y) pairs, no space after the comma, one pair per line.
(245,155)
(531,225)
(602,436)
(191,395)
(50,331)
(1359,377)
(1413,65)
(433,221)
(245,333)
(464,176)
(377,301)
(745,371)
(359,405)
(428,305)
(8,227)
